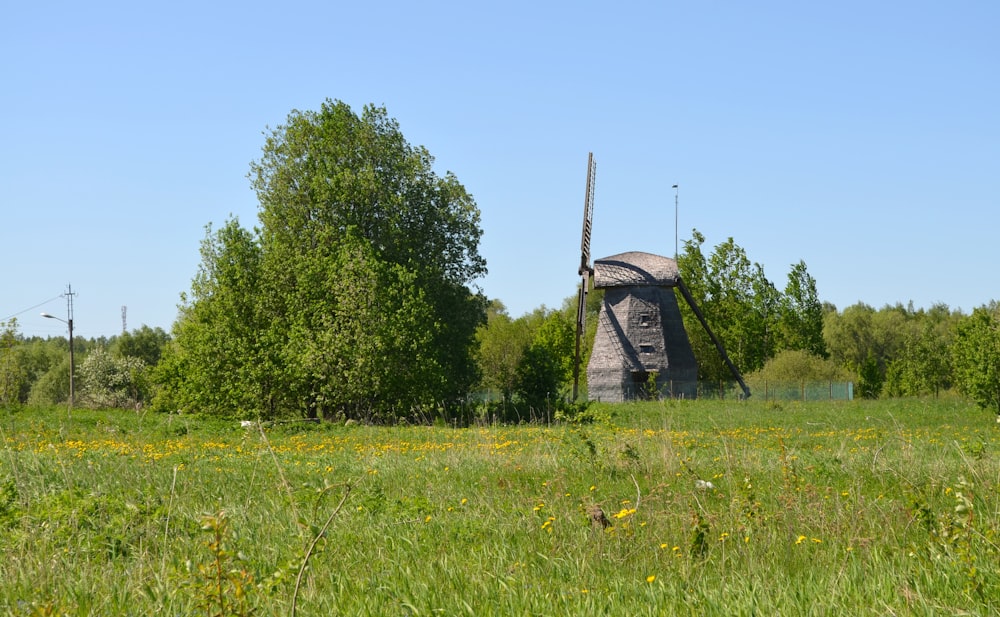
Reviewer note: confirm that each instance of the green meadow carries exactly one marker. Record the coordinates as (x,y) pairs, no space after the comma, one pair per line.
(669,508)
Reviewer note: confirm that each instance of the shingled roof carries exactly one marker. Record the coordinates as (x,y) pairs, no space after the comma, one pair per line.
(635,268)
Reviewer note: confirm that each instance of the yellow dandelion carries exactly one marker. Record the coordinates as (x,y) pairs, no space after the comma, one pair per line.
(428,519)
(817,541)
(650,578)
(663,545)
(464,501)
(800,539)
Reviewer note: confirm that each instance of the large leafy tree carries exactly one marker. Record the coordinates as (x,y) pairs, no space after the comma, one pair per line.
(976,357)
(219,361)
(355,294)
(740,304)
(801,323)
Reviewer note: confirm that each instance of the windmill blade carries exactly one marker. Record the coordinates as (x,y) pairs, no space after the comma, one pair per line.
(718,344)
(588,215)
(585,271)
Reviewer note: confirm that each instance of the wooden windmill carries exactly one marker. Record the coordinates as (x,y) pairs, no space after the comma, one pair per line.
(641,346)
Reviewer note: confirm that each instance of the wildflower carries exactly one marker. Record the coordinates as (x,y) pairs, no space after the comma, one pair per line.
(800,540)
(650,578)
(817,541)
(464,501)
(722,538)
(539,507)
(593,488)
(428,519)
(547,525)
(703,485)
(664,545)
(624,512)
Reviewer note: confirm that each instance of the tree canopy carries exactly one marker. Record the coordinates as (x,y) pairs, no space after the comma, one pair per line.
(743,307)
(354,296)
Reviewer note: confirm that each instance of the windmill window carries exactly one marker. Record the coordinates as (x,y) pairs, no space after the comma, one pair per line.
(644,319)
(646,349)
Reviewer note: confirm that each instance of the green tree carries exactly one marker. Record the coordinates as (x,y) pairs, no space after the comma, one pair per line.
(12,373)
(546,368)
(144,343)
(46,364)
(848,335)
(866,341)
(801,323)
(923,363)
(501,345)
(741,305)
(370,353)
(219,363)
(353,296)
(976,357)
(111,381)
(693,266)
(51,386)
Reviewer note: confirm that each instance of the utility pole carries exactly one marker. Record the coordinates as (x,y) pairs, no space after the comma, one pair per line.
(676,199)
(69,322)
(72,365)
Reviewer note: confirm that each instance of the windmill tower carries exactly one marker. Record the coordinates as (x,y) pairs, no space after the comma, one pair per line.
(641,347)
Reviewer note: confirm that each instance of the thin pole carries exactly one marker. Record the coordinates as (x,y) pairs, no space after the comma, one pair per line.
(676,200)
(69,314)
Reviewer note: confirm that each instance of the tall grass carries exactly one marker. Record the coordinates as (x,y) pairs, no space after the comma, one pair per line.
(712,507)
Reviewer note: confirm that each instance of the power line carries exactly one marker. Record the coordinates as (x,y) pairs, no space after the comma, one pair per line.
(31,308)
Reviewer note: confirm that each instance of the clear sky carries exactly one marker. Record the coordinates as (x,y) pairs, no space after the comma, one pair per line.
(860,137)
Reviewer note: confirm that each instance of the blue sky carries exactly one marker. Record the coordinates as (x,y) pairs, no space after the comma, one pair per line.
(860,137)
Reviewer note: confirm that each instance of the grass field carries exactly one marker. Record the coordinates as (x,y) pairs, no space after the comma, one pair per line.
(710,508)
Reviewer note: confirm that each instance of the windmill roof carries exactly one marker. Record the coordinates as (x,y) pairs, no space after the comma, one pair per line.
(635,268)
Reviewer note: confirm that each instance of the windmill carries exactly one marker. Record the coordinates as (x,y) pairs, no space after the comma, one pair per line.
(640,341)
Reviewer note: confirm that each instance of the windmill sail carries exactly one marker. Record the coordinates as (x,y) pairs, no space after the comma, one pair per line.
(585,269)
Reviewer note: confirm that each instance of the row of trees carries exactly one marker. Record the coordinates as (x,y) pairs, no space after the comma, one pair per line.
(355,297)
(772,335)
(110,372)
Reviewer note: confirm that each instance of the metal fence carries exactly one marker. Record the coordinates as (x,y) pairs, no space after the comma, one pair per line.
(777,390)
(759,390)
(805,391)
